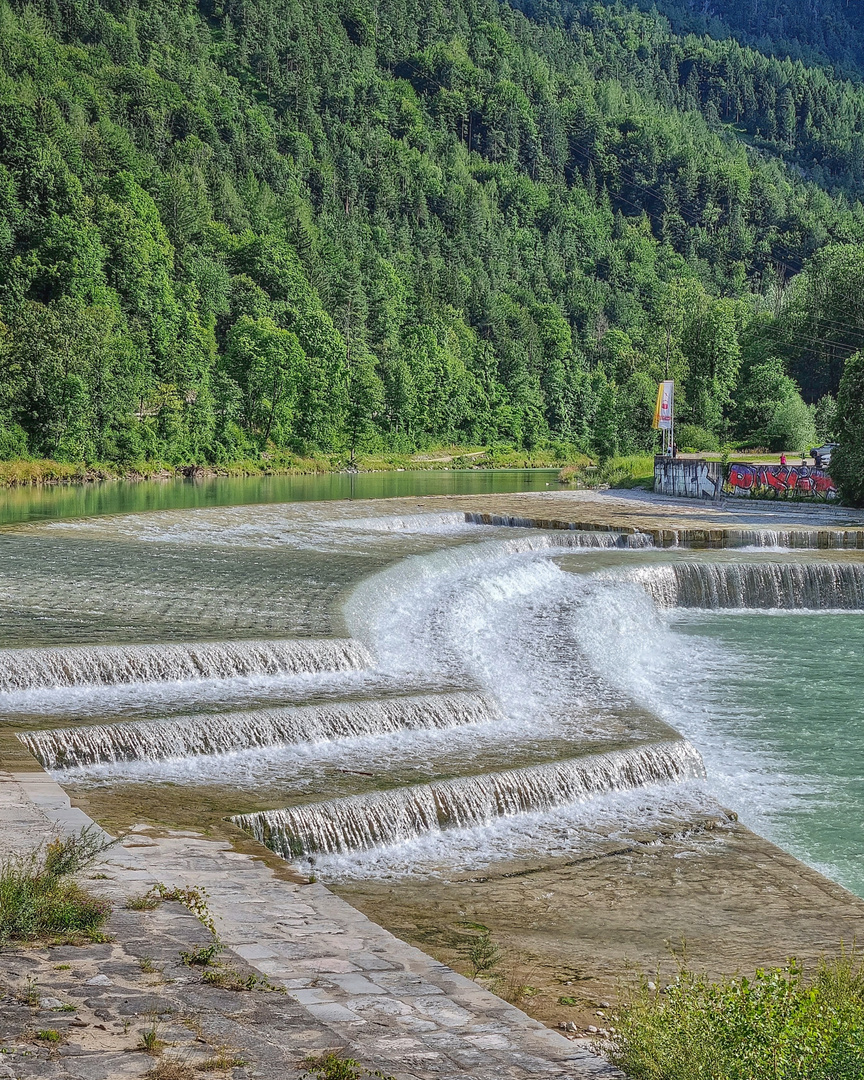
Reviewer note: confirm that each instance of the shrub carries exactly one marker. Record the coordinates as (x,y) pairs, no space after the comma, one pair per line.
(776,1026)
(693,437)
(40,898)
(635,470)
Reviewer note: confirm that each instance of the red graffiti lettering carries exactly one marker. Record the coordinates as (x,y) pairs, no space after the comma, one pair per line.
(779,482)
(741,476)
(774,478)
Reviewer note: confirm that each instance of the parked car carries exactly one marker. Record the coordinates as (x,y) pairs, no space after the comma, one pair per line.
(822,455)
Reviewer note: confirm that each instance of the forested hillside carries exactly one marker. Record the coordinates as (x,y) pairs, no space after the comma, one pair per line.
(818,31)
(241,226)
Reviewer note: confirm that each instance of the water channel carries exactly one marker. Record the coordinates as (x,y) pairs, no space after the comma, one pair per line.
(388,694)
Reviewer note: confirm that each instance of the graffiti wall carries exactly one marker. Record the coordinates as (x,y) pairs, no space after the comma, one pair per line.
(688,478)
(692,478)
(779,482)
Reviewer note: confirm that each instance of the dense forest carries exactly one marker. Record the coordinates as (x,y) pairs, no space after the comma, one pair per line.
(240,227)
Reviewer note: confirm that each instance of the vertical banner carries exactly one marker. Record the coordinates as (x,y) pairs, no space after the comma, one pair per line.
(665,405)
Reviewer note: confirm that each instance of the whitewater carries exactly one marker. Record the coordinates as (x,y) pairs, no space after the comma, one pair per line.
(420,693)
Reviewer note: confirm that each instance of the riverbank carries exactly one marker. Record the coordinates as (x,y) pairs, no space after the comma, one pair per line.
(302,973)
(44,471)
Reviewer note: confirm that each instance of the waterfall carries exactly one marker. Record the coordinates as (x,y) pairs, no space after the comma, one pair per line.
(422,523)
(756,585)
(110,665)
(219,734)
(390,817)
(587,538)
(808,539)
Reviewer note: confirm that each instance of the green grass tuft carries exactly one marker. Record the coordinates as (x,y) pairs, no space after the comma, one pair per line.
(39,897)
(331,1066)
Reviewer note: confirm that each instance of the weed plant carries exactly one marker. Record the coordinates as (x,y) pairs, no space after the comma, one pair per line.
(39,897)
(776,1026)
(229,978)
(330,1066)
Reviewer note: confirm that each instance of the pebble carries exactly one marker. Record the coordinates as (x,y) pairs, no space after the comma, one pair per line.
(605,1005)
(651,986)
(591,1029)
(50,1003)
(103,980)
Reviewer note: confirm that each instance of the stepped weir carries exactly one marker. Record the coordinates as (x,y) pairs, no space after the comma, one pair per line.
(390,817)
(222,733)
(111,665)
(808,586)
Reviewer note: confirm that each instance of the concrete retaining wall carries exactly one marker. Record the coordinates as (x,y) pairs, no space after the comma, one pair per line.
(693,478)
(688,478)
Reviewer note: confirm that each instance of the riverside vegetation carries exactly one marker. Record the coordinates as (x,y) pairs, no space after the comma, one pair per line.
(241,230)
(41,900)
(776,1026)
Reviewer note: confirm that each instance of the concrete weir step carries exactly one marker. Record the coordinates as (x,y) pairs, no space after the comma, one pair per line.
(386,1003)
(720,537)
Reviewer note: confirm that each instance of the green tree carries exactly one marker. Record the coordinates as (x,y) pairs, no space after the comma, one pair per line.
(847,462)
(268,365)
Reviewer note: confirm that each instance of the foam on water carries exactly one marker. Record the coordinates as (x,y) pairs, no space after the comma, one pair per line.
(563,832)
(222,733)
(406,523)
(94,666)
(279,526)
(553,655)
(583,538)
(391,817)
(634,645)
(753,586)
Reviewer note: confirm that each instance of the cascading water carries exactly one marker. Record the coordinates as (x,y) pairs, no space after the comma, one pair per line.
(390,817)
(811,586)
(534,692)
(792,539)
(27,669)
(595,538)
(222,733)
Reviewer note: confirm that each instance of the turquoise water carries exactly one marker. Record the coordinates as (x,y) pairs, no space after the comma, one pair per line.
(784,694)
(115,497)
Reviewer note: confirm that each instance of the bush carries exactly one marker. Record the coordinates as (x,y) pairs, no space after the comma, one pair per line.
(792,425)
(692,437)
(776,1026)
(13,442)
(39,898)
(635,470)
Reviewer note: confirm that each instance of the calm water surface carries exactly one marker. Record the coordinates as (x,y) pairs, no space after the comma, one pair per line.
(121,497)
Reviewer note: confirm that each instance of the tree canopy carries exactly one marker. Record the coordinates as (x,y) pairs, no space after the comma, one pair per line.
(233,225)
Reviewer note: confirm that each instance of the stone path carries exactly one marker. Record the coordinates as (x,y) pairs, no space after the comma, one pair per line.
(349,983)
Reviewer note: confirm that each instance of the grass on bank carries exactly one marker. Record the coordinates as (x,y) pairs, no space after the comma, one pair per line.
(631,471)
(25,472)
(778,1025)
(40,898)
